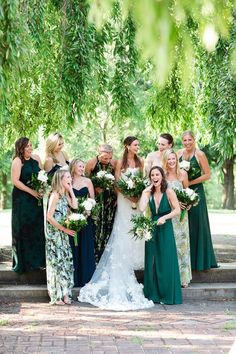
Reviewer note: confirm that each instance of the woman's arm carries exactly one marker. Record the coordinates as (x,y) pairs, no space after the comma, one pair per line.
(90,188)
(204,167)
(175,207)
(15,177)
(143,202)
(48,164)
(71,198)
(90,166)
(54,197)
(185,180)
(148,164)
(118,170)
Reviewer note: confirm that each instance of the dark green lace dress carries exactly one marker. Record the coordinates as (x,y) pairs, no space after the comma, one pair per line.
(161,271)
(201,249)
(107,201)
(28,239)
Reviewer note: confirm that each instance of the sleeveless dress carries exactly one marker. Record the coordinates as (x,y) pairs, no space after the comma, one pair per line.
(28,239)
(107,200)
(59,257)
(201,249)
(113,285)
(181,232)
(161,272)
(83,254)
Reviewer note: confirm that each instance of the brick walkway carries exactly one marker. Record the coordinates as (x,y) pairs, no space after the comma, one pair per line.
(25,327)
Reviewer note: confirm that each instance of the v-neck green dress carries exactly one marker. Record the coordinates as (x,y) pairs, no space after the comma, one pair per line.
(161,273)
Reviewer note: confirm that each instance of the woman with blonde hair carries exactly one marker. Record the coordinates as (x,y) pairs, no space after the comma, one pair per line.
(178,179)
(59,260)
(201,248)
(83,254)
(55,156)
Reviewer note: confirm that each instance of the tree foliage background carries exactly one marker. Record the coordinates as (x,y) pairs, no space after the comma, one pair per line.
(100,70)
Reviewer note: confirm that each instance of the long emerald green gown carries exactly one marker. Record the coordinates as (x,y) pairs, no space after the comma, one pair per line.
(161,272)
(201,249)
(28,239)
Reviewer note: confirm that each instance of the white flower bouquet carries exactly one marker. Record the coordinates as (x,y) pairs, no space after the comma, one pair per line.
(185,165)
(132,186)
(142,227)
(188,197)
(88,207)
(103,180)
(192,171)
(75,222)
(39,182)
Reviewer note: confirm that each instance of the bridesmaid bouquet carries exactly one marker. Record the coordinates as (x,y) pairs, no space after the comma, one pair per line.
(185,165)
(132,186)
(142,227)
(39,182)
(188,197)
(103,180)
(88,207)
(75,222)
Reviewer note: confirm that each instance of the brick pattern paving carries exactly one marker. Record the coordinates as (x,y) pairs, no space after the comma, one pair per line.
(25,327)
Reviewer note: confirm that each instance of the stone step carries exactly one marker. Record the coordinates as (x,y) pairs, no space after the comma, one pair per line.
(226,273)
(196,291)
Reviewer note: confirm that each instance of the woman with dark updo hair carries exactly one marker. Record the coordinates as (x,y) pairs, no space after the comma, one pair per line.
(113,285)
(165,141)
(161,271)
(28,239)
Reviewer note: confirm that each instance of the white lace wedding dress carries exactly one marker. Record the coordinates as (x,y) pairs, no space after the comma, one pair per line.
(113,285)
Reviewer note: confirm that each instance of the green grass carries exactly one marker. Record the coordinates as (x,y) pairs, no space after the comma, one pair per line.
(137,340)
(230,325)
(222,211)
(4,323)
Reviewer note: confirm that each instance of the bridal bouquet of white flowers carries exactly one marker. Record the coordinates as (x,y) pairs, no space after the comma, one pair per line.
(103,180)
(132,185)
(188,197)
(39,182)
(142,227)
(75,222)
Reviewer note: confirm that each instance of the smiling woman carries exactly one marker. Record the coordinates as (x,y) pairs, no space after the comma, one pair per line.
(28,241)
(161,270)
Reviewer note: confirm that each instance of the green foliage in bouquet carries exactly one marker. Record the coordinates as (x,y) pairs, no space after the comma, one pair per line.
(75,222)
(132,185)
(142,227)
(188,197)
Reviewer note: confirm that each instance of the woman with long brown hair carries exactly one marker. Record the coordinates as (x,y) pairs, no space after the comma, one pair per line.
(113,285)
(161,272)
(28,239)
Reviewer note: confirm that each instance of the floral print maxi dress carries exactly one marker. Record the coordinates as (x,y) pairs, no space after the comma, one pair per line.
(181,232)
(59,260)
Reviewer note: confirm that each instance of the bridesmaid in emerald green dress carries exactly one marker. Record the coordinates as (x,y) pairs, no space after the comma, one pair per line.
(201,249)
(161,272)
(28,239)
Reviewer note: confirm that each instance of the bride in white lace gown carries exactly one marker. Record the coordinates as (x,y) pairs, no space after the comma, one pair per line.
(113,285)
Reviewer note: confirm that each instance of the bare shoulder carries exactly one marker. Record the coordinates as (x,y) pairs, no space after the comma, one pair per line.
(54,196)
(200,153)
(87,181)
(180,152)
(17,162)
(151,154)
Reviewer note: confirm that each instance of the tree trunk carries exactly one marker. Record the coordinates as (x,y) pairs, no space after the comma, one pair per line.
(228,195)
(3,195)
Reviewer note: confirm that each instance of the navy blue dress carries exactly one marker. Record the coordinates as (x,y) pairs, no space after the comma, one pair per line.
(83,254)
